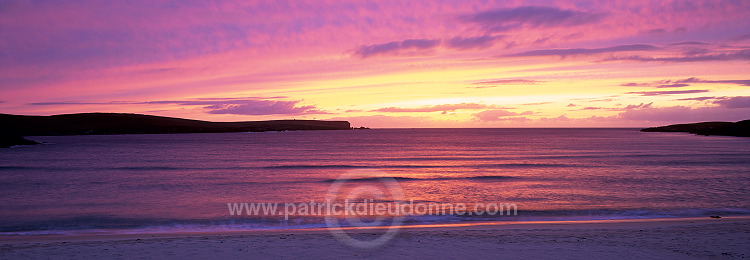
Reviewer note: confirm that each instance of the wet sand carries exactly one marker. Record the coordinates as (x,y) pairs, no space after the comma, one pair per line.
(683,238)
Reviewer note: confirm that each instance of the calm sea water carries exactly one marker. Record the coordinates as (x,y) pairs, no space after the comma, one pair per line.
(179,182)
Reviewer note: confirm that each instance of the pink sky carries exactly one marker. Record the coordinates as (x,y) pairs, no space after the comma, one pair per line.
(382,63)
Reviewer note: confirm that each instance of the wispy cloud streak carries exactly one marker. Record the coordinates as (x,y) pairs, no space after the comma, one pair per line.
(585,51)
(405,47)
(506,19)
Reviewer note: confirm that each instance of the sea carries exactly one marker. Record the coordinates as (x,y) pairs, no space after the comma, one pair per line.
(163,183)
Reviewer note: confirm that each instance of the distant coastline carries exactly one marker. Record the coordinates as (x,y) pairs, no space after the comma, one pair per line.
(14,140)
(120,123)
(741,128)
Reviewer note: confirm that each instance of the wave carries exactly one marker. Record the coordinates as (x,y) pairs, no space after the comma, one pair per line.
(301,166)
(124,223)
(100,224)
(491,177)
(372,179)
(335,166)
(529,165)
(125,168)
(150,168)
(32,168)
(606,214)
(496,165)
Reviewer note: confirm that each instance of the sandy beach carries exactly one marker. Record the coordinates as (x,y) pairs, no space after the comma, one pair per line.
(684,238)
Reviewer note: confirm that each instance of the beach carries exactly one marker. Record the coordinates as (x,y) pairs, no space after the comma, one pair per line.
(670,238)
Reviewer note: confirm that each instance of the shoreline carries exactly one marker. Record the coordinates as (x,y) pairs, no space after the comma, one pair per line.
(484,225)
(673,238)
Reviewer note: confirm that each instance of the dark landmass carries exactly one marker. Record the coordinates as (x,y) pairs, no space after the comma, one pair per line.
(13,140)
(118,123)
(741,128)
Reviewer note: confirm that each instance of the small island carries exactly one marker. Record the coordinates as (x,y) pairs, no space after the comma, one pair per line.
(16,126)
(741,128)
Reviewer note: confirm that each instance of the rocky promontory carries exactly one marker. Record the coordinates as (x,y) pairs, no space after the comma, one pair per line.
(119,123)
(741,128)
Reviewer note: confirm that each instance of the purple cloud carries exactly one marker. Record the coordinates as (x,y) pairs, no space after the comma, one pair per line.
(530,16)
(688,43)
(698,98)
(640,106)
(683,83)
(726,102)
(390,121)
(191,102)
(738,82)
(263,107)
(743,37)
(684,114)
(734,102)
(509,82)
(628,107)
(633,84)
(696,80)
(662,93)
(584,51)
(479,42)
(494,115)
(688,80)
(82,103)
(725,56)
(435,108)
(675,85)
(396,47)
(237,106)
(656,31)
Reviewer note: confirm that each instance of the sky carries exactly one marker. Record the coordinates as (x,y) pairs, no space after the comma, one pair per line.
(387,64)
